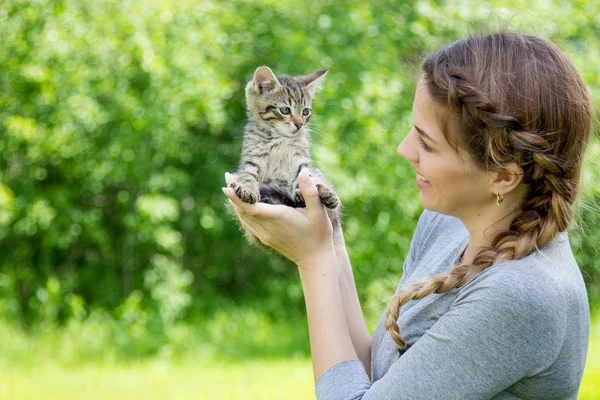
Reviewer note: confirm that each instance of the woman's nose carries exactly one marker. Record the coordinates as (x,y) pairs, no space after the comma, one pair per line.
(406,151)
(399,149)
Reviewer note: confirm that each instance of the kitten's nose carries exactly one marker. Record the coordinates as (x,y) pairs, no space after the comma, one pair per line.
(298,125)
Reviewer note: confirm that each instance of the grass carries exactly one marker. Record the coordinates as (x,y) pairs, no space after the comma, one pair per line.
(590,385)
(260,379)
(289,378)
(257,379)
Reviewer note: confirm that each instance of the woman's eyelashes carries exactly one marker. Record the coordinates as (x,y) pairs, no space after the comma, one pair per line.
(423,144)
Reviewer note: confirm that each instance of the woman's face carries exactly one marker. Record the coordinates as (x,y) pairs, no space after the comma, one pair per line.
(455,185)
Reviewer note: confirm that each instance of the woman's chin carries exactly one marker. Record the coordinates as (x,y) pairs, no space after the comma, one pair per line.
(425,199)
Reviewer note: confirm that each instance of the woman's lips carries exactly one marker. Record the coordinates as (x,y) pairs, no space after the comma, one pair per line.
(422,183)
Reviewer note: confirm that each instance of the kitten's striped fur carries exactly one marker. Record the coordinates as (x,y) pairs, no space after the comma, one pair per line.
(275,147)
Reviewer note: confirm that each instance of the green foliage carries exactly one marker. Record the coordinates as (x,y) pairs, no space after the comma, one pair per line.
(119,118)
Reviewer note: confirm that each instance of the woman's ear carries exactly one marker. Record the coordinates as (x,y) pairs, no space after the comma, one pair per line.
(506,181)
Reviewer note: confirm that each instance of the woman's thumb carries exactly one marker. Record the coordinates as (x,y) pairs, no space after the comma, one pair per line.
(309,192)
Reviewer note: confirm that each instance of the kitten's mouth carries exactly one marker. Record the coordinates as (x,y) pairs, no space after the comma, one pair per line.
(297,131)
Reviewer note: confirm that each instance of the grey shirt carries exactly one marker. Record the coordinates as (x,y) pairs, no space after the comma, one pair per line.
(518,330)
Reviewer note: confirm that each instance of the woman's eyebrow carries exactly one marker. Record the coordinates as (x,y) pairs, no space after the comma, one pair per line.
(422,132)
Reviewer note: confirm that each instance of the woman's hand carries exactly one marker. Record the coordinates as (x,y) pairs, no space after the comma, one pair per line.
(300,234)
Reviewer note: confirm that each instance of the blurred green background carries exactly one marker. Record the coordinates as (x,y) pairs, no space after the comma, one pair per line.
(121,274)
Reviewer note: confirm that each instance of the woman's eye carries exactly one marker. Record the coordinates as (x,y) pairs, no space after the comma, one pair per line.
(423,144)
(285,110)
(306,111)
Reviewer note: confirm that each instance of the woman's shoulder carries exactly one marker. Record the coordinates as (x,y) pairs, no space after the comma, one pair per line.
(551,271)
(546,280)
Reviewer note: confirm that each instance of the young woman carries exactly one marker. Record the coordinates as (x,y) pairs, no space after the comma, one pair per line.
(501,123)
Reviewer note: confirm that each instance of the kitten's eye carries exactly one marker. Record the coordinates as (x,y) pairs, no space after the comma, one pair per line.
(306,111)
(285,110)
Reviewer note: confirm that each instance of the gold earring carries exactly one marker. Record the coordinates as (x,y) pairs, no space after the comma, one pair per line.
(499,198)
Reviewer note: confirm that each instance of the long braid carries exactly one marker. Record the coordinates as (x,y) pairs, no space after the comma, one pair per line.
(498,138)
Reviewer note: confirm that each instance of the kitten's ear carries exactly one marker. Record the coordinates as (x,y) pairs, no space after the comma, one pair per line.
(313,82)
(264,80)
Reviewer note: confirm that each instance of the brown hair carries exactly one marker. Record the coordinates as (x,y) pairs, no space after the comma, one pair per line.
(509,98)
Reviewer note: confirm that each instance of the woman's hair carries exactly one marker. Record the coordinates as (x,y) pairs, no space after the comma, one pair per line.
(505,98)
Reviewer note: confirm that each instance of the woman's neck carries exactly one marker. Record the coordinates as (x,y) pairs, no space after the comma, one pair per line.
(489,219)
(483,228)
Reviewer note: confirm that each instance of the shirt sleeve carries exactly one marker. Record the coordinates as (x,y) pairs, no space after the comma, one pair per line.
(499,329)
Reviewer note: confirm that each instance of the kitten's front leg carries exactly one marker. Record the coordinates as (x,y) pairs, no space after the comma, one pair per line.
(246,188)
(326,193)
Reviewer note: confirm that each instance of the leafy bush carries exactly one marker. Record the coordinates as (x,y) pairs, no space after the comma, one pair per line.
(119,118)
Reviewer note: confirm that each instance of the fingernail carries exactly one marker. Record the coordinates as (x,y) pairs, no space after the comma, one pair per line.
(304,177)
(225,191)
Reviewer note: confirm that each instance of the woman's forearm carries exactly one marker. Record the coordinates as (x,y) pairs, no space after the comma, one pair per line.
(357,327)
(330,342)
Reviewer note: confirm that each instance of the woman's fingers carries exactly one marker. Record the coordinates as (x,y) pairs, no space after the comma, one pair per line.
(243,207)
(229,178)
(242,218)
(249,228)
(310,193)
(260,210)
(234,207)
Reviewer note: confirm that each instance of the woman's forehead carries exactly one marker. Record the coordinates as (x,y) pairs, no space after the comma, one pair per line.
(427,114)
(435,120)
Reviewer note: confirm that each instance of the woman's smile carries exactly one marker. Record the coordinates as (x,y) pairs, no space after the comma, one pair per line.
(422,183)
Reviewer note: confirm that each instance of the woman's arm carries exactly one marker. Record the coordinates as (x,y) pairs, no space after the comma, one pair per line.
(357,328)
(330,342)
(305,236)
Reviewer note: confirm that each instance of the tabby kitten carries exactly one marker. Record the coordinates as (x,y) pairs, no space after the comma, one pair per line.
(275,147)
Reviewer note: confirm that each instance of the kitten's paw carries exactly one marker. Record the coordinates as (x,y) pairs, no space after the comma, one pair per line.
(299,199)
(327,196)
(246,192)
